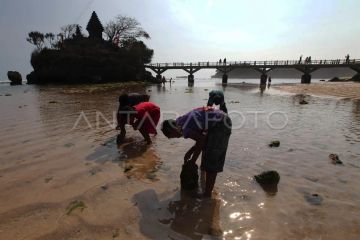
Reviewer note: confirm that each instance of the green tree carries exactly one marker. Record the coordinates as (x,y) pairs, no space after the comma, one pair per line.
(37,39)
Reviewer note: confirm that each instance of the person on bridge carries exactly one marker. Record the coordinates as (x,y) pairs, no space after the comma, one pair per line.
(347,57)
(143,117)
(210,129)
(217,97)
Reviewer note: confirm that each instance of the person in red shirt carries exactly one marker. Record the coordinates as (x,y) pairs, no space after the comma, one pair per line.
(143,117)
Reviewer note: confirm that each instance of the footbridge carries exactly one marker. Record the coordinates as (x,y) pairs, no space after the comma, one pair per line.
(263,67)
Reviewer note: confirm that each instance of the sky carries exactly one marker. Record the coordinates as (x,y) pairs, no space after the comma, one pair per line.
(195,30)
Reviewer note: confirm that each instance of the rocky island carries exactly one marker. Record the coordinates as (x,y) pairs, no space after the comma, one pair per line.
(70,57)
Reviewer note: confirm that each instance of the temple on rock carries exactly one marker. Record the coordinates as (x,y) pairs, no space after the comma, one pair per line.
(94,27)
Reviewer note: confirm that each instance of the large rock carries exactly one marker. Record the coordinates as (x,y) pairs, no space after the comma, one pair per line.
(268,181)
(14,77)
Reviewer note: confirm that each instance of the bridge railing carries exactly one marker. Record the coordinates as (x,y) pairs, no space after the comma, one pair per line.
(258,63)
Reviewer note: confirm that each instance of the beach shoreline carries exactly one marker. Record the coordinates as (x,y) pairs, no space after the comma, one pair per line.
(64,182)
(343,90)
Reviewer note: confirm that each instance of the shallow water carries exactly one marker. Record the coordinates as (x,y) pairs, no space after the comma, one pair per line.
(42,140)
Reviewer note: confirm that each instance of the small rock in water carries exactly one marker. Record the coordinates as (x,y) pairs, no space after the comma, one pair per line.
(313,199)
(335,159)
(53,102)
(48,179)
(104,187)
(151,175)
(68,145)
(8,94)
(268,181)
(302,102)
(274,143)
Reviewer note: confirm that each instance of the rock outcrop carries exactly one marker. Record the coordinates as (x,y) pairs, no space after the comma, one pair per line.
(14,77)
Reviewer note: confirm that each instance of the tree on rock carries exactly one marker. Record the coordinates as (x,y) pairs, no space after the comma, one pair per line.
(37,39)
(124,29)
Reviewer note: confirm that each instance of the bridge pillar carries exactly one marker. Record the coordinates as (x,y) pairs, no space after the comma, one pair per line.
(263,79)
(306,78)
(191,78)
(158,78)
(224,78)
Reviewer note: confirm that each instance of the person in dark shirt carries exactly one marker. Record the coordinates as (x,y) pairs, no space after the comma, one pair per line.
(217,97)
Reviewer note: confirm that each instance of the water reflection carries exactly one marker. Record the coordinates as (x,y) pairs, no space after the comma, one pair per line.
(181,216)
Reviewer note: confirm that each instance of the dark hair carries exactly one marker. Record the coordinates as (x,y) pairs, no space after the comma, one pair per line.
(124,99)
(217,99)
(168,126)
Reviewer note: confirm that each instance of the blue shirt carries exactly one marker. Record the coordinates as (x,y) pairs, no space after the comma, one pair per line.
(199,120)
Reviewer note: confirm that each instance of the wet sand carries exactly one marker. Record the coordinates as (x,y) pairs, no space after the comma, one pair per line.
(58,181)
(347,90)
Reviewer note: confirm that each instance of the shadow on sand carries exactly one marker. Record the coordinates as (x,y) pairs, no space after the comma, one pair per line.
(182,216)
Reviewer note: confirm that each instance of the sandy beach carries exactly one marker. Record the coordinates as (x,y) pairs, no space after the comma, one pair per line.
(346,90)
(65,178)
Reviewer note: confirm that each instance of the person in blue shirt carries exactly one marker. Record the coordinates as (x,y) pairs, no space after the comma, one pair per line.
(210,129)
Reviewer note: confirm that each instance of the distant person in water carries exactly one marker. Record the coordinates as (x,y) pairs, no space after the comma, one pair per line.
(220,61)
(347,57)
(210,129)
(224,61)
(163,80)
(143,117)
(217,97)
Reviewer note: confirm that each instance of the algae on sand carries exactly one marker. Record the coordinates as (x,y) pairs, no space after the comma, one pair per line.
(75,205)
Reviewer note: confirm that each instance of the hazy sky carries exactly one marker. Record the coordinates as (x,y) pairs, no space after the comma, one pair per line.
(196,30)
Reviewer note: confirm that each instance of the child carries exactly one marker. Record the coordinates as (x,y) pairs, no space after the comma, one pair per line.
(128,100)
(210,129)
(143,117)
(217,97)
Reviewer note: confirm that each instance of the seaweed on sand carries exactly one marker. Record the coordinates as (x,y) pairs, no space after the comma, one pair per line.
(75,205)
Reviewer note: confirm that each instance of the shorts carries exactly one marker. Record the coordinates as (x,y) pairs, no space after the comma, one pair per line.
(216,144)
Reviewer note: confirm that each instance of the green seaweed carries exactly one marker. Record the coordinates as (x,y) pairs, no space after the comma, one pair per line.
(274,143)
(75,205)
(48,179)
